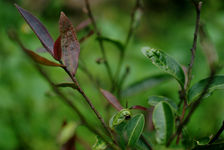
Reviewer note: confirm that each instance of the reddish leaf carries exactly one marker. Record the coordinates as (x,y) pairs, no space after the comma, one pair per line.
(111,99)
(38,28)
(139,107)
(86,36)
(69,44)
(57,49)
(83,24)
(41,60)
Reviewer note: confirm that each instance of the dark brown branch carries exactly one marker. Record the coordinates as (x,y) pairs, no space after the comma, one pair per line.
(194,46)
(214,138)
(100,41)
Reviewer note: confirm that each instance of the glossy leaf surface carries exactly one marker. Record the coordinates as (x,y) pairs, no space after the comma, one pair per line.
(163,121)
(134,129)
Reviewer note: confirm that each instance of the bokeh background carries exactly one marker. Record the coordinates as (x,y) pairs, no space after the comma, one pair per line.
(31,115)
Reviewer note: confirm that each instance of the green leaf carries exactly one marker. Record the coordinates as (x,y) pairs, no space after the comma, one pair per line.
(71,85)
(118,44)
(119,117)
(140,145)
(134,129)
(145,84)
(197,89)
(154,100)
(163,121)
(99,145)
(165,63)
(219,146)
(67,132)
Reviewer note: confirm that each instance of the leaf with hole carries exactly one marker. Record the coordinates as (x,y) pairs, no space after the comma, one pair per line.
(165,63)
(69,44)
(144,84)
(197,89)
(163,121)
(134,129)
(38,28)
(111,99)
(154,100)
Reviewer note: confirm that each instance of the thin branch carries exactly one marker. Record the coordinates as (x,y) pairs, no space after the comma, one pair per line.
(66,100)
(100,41)
(214,138)
(129,35)
(193,107)
(194,46)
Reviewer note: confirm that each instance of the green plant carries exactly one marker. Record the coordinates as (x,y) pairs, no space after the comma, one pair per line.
(125,130)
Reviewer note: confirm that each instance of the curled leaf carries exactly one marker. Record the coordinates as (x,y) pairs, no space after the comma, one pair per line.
(165,63)
(38,28)
(69,44)
(57,49)
(119,117)
(111,99)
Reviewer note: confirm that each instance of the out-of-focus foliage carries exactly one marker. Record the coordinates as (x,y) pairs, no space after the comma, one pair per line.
(31,114)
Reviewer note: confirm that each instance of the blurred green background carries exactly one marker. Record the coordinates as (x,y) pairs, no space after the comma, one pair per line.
(31,115)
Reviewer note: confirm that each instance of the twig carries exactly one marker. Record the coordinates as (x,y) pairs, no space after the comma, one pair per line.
(193,107)
(100,41)
(194,46)
(129,35)
(189,73)
(214,138)
(60,94)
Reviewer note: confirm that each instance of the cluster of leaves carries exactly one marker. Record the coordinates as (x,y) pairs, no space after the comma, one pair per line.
(125,127)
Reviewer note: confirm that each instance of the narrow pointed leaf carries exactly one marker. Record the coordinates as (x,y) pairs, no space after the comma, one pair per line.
(71,85)
(118,44)
(57,49)
(144,84)
(163,121)
(135,128)
(41,60)
(38,28)
(69,44)
(139,107)
(165,63)
(154,100)
(197,89)
(111,99)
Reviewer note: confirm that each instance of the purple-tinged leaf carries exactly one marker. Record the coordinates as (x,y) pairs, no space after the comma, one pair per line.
(139,107)
(86,36)
(41,50)
(83,24)
(111,99)
(57,49)
(69,44)
(38,28)
(41,60)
